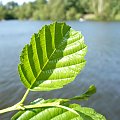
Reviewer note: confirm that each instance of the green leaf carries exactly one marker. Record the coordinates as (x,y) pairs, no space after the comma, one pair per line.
(66,112)
(91,90)
(54,57)
(85,96)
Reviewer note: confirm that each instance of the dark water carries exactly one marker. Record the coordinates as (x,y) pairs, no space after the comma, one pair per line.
(102,69)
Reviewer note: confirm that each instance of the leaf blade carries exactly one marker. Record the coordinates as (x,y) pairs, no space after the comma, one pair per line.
(53,59)
(85,96)
(67,112)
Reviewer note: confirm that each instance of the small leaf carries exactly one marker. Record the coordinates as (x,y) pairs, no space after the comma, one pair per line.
(67,112)
(54,57)
(91,90)
(85,96)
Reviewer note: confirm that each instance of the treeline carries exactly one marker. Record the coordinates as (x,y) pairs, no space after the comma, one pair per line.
(62,10)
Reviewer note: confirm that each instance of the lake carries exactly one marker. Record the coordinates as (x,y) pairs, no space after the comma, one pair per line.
(102,68)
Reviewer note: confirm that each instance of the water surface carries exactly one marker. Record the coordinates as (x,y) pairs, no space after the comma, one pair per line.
(102,69)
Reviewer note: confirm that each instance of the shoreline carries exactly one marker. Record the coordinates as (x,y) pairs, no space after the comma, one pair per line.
(83,20)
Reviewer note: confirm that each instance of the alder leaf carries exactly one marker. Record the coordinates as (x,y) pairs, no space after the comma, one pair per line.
(85,96)
(54,57)
(58,113)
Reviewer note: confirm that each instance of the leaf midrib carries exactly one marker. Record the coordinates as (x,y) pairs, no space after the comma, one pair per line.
(46,62)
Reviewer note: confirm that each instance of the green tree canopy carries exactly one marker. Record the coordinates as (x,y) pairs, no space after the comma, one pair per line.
(61,9)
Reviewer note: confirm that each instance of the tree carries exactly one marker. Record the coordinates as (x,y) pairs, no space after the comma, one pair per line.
(2,12)
(72,14)
(57,9)
(61,9)
(11,5)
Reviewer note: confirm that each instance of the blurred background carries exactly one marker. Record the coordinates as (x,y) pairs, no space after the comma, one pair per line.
(99,22)
(60,9)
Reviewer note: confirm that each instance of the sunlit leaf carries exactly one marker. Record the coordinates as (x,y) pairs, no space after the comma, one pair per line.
(58,113)
(54,57)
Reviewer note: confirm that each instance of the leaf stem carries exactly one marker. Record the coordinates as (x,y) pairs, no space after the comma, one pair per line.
(67,108)
(12,108)
(54,104)
(41,105)
(18,106)
(24,97)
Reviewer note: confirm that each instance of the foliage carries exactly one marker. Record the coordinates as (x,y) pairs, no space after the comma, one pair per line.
(52,60)
(72,14)
(106,9)
(54,107)
(57,9)
(61,9)
(2,12)
(58,113)
(54,57)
